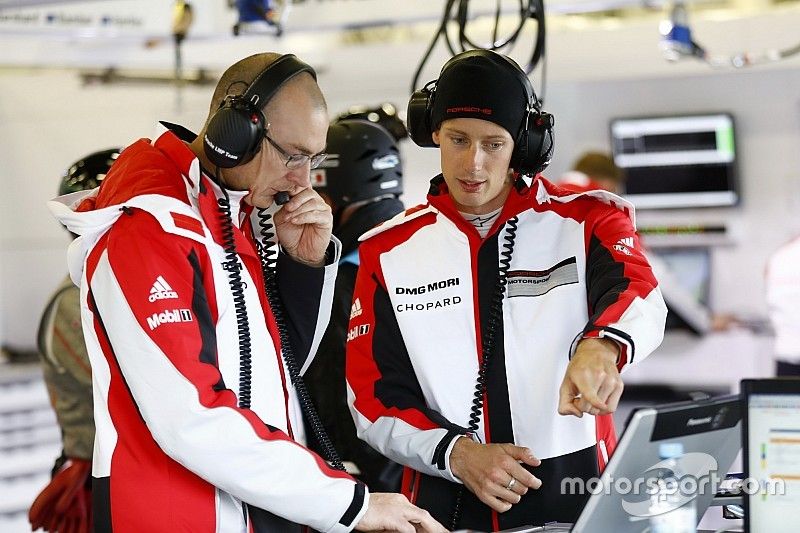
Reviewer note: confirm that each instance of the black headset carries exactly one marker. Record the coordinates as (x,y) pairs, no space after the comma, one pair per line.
(235,132)
(533,145)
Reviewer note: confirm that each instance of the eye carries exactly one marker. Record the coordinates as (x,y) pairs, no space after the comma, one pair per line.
(458,141)
(495,146)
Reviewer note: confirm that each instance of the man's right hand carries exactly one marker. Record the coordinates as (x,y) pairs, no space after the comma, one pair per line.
(488,469)
(393,512)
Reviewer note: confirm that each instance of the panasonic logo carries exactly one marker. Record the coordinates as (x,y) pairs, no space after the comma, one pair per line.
(169,317)
(698,421)
(430,287)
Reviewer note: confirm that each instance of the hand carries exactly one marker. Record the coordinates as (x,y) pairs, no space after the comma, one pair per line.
(393,512)
(64,505)
(487,470)
(304,227)
(591,383)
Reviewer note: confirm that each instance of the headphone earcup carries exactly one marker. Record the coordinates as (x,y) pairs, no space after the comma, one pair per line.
(534,149)
(418,118)
(234,134)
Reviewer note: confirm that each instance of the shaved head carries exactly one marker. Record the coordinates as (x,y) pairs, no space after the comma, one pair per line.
(296,124)
(239,76)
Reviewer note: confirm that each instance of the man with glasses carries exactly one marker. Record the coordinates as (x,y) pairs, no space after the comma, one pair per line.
(190,335)
(297,160)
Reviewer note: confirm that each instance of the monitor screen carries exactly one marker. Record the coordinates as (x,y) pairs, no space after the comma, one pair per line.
(685,279)
(772,453)
(677,161)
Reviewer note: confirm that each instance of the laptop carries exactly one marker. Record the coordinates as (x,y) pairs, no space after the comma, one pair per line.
(710,431)
(771,454)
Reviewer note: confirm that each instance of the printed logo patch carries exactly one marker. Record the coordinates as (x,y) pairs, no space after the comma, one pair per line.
(540,282)
(319,178)
(355,310)
(161,291)
(169,317)
(427,306)
(385,162)
(624,245)
(430,287)
(357,331)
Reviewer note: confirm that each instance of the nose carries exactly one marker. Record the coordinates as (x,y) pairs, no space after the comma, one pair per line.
(474,159)
(301,176)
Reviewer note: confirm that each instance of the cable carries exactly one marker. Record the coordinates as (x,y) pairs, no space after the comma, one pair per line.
(528,9)
(495,319)
(231,265)
(268,256)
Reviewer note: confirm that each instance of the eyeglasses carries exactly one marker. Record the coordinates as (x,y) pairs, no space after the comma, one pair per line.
(298,160)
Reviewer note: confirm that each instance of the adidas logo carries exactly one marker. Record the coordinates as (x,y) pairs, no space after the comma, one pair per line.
(161,291)
(355,310)
(168,317)
(624,245)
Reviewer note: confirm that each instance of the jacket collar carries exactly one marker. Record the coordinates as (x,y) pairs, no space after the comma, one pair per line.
(172,139)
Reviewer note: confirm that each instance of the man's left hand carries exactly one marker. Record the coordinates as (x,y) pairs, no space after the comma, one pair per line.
(591,383)
(304,227)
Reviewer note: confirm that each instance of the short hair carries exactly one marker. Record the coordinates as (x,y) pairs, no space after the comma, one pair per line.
(239,76)
(599,165)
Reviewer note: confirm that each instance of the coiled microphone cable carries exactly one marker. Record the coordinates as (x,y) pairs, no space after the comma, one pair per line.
(269,260)
(267,253)
(495,320)
(231,265)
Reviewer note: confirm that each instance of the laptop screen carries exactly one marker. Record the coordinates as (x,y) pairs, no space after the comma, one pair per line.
(771,443)
(708,431)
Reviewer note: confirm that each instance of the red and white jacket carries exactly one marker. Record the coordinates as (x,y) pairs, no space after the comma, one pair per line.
(426,279)
(173,451)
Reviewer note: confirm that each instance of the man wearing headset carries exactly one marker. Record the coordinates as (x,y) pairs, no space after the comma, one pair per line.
(495,309)
(202,300)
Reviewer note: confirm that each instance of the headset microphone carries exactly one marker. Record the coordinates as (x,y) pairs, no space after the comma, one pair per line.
(282,197)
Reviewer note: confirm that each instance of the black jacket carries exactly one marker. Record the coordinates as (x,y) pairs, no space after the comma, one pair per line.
(325,377)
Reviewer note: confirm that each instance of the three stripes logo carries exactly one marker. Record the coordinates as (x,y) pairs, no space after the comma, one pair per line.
(624,245)
(161,291)
(355,310)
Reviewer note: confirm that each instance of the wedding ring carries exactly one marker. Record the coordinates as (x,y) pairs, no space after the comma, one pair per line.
(511,483)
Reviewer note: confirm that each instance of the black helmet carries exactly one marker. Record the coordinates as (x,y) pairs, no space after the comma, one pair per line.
(87,173)
(384,115)
(363,163)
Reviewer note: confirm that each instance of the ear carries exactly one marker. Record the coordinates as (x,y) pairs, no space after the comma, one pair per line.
(435,137)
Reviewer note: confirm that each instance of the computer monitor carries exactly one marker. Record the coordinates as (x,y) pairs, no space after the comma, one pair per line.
(771,458)
(710,433)
(677,160)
